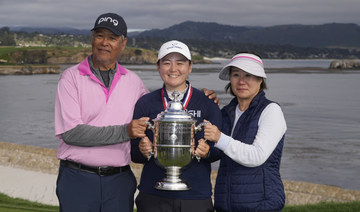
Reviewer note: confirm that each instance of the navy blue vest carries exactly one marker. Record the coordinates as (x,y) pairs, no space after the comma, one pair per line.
(240,188)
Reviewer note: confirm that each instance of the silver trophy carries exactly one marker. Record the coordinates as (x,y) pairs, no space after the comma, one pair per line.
(174,131)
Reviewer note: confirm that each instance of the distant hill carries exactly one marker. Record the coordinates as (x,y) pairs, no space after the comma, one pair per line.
(47,30)
(320,36)
(332,35)
(326,41)
(63,30)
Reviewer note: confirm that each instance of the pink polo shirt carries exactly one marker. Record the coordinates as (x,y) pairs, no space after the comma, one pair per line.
(82,99)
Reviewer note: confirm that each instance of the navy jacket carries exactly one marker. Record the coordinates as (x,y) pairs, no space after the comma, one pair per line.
(196,174)
(240,188)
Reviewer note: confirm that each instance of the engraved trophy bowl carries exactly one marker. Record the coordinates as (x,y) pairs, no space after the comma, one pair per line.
(174,131)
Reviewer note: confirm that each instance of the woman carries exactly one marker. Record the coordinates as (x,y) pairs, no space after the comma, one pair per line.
(252,139)
(174,66)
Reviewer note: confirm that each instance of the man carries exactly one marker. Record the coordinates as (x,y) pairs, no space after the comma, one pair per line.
(174,65)
(94,104)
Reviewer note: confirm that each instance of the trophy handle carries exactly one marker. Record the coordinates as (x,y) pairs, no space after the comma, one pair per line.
(198,129)
(150,127)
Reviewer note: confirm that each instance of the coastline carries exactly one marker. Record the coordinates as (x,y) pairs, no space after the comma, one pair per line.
(34,69)
(30,172)
(29,69)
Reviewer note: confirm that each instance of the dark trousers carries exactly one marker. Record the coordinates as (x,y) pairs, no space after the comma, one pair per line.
(82,191)
(150,203)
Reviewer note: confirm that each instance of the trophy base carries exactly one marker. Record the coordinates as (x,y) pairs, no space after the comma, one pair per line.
(173,186)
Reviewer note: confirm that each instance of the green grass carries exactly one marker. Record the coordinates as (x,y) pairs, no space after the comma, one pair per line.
(325,207)
(13,54)
(8,204)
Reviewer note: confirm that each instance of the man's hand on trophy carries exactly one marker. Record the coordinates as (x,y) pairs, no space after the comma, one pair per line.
(202,150)
(136,128)
(146,147)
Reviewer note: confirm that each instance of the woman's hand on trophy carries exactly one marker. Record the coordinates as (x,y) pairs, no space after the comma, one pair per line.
(146,147)
(202,150)
(212,133)
(136,128)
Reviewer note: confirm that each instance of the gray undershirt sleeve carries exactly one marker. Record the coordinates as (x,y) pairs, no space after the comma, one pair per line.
(88,136)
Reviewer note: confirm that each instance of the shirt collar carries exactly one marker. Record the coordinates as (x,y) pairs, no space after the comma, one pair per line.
(97,70)
(85,68)
(168,94)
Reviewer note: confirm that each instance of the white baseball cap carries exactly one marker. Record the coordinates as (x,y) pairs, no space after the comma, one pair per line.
(249,63)
(174,46)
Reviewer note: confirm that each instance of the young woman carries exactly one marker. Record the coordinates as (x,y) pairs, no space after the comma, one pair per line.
(174,66)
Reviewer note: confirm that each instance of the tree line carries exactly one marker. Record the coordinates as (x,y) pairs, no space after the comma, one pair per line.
(199,47)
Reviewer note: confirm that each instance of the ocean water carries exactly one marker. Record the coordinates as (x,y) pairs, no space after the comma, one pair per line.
(322,111)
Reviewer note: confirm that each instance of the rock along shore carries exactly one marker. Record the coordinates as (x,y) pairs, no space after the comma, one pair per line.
(345,64)
(29,69)
(22,164)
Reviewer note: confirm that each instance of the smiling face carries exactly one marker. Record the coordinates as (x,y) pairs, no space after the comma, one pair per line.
(245,86)
(174,69)
(106,47)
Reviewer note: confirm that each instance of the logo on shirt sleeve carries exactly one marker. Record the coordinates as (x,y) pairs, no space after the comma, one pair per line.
(195,113)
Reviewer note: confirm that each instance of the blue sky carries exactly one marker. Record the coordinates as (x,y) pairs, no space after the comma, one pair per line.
(151,14)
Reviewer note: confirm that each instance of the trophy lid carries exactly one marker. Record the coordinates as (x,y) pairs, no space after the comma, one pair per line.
(175,111)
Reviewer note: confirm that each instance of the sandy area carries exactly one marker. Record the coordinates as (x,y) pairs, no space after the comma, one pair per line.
(30,185)
(30,173)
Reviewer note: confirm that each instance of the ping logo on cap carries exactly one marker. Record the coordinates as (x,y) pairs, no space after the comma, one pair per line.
(108,19)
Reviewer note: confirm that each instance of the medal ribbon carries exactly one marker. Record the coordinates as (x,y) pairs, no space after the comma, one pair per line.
(185,101)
